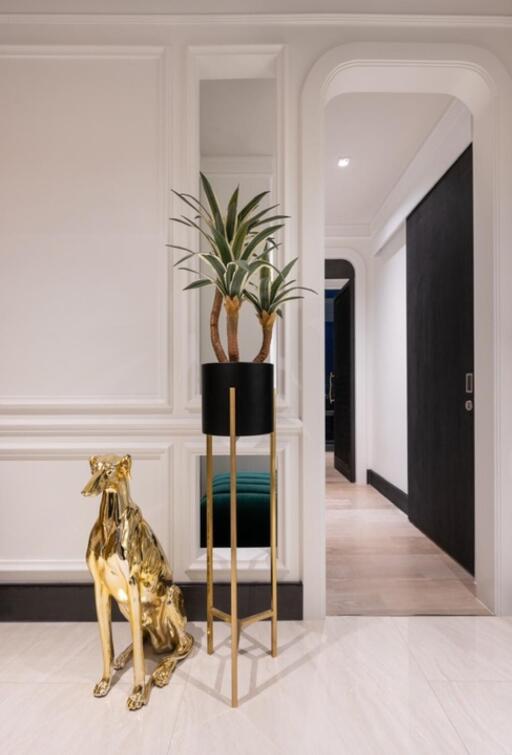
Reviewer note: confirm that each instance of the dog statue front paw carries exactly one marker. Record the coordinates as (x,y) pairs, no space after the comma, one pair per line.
(102,688)
(138,698)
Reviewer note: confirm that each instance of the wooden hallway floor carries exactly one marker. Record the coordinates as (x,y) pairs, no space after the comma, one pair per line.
(379,564)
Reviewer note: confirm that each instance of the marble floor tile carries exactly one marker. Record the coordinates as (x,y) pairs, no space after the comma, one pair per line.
(480,713)
(460,648)
(348,686)
(364,691)
(59,719)
(33,656)
(308,716)
(65,653)
(227,732)
(358,685)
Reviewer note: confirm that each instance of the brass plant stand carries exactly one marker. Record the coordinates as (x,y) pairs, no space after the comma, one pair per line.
(215,613)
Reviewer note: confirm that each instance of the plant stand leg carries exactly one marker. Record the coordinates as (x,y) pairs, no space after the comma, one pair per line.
(213,612)
(234,586)
(209,542)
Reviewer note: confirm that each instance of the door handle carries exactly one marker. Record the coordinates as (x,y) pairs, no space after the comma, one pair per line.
(469,382)
(331,388)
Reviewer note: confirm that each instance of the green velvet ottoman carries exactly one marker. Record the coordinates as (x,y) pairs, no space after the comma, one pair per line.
(253,521)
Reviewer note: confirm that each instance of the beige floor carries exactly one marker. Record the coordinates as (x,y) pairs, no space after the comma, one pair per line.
(349,685)
(378,563)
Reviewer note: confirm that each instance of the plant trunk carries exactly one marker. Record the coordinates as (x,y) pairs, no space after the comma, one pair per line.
(267,324)
(232,307)
(214,327)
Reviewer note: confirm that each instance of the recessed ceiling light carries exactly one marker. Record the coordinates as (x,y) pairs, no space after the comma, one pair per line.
(343,162)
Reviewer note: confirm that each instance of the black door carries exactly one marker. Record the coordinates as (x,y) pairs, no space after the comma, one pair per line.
(330,295)
(344,398)
(440,363)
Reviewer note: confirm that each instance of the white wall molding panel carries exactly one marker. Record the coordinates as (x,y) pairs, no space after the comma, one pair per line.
(45,520)
(135,426)
(226,20)
(358,231)
(253,563)
(85,177)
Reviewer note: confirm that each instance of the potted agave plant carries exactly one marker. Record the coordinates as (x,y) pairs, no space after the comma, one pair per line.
(237,265)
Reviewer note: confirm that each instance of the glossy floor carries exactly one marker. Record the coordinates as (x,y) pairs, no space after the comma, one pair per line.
(354,685)
(378,563)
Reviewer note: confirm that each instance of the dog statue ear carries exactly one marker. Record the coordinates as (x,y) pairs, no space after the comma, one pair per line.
(93,463)
(126,464)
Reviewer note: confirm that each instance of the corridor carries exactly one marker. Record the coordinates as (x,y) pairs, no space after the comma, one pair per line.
(379,564)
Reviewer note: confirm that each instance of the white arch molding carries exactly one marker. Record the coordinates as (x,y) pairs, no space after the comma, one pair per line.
(480,81)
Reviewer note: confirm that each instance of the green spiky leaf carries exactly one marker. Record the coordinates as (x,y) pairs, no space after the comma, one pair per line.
(215,263)
(213,204)
(251,205)
(194,204)
(231,215)
(258,239)
(198,284)
(184,259)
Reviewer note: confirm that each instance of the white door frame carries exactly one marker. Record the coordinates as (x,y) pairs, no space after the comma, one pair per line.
(480,81)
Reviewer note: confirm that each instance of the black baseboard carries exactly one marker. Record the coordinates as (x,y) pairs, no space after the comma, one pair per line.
(388,490)
(75,602)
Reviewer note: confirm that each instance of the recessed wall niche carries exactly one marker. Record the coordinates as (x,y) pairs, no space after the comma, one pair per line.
(237,148)
(253,496)
(242,76)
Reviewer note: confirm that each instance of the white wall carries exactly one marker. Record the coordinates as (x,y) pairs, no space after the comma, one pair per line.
(107,115)
(94,317)
(389,365)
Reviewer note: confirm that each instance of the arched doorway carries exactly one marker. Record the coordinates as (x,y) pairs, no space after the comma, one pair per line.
(476,78)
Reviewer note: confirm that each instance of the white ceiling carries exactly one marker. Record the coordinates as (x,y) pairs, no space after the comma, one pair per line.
(381,133)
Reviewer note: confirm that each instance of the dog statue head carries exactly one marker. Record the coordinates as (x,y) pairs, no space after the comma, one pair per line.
(109,474)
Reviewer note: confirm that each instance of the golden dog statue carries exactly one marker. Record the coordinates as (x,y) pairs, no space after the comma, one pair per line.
(127,563)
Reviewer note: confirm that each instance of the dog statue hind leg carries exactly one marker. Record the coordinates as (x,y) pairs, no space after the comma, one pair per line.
(172,625)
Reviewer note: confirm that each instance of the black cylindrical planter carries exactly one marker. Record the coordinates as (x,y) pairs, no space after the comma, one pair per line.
(254,383)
